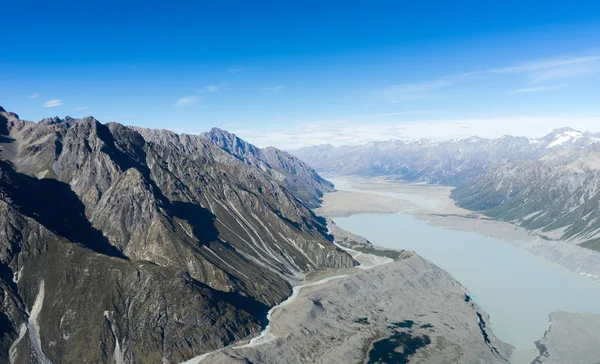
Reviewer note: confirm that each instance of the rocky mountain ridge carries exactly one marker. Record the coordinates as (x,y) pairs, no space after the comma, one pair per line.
(448,162)
(119,243)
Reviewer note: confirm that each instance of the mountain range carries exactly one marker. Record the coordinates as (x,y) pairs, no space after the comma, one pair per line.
(549,184)
(134,245)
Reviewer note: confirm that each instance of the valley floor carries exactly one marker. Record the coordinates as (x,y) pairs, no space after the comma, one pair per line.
(358,195)
(386,310)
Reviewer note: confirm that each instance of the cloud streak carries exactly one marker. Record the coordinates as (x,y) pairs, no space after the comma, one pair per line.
(546,64)
(554,69)
(537,89)
(210,88)
(412,91)
(53,103)
(235,70)
(535,72)
(275,89)
(187,101)
(34,95)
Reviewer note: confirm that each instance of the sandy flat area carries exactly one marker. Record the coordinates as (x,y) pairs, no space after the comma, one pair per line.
(431,203)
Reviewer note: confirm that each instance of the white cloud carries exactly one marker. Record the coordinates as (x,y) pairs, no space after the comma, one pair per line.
(235,70)
(34,95)
(537,89)
(274,89)
(344,133)
(187,101)
(80,108)
(52,103)
(210,88)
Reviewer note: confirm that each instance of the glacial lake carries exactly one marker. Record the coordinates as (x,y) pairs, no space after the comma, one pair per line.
(516,288)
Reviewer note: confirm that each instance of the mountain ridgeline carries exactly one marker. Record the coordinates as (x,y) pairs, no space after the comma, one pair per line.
(133,245)
(550,185)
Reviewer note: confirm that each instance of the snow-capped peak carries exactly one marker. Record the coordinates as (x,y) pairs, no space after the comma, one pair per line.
(565,137)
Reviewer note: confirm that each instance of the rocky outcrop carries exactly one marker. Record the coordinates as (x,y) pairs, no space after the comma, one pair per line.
(144,245)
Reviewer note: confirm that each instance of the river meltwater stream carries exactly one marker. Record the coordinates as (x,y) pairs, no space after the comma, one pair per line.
(518,289)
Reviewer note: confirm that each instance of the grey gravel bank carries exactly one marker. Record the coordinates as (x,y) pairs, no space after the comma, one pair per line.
(395,311)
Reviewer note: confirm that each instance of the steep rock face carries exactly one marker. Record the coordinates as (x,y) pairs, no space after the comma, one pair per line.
(202,241)
(253,211)
(558,195)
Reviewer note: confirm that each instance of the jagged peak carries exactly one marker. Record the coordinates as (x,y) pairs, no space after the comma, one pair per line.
(11,114)
(229,141)
(219,131)
(50,121)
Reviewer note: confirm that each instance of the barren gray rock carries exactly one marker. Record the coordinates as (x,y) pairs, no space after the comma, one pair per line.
(408,310)
(571,338)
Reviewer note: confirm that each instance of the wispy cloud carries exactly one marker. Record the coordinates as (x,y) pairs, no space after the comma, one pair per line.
(546,64)
(187,101)
(235,70)
(533,72)
(412,91)
(275,89)
(555,68)
(52,103)
(34,95)
(537,89)
(210,88)
(80,108)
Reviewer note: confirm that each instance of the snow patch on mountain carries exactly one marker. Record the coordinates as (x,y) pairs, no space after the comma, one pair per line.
(567,136)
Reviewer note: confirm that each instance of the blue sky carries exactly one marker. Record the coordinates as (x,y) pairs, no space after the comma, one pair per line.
(290,73)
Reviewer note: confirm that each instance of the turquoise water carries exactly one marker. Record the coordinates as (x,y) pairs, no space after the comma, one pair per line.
(518,289)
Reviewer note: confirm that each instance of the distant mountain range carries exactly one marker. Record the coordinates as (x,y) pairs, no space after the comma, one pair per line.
(550,184)
(122,244)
